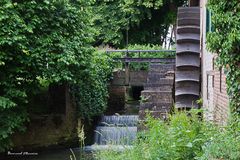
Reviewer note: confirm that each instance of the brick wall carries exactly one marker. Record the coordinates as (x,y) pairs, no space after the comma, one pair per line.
(215,99)
(220,98)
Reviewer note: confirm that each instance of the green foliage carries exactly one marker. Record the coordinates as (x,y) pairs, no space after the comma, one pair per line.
(112,17)
(184,137)
(224,41)
(225,144)
(91,91)
(147,54)
(39,41)
(146,20)
(155,29)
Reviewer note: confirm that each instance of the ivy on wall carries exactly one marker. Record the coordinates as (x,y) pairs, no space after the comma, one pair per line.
(225,41)
(91,91)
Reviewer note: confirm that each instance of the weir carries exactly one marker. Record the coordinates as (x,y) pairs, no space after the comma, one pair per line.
(117,130)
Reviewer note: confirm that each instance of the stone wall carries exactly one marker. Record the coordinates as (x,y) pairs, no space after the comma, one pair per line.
(116,99)
(158,92)
(119,89)
(48,130)
(136,78)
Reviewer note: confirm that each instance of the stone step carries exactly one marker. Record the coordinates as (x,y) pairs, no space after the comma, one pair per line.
(161,81)
(156,106)
(157,76)
(157,96)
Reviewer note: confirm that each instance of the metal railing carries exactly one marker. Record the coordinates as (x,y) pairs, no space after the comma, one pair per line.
(127,58)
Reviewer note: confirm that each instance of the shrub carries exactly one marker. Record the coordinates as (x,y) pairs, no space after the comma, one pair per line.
(91,92)
(225,144)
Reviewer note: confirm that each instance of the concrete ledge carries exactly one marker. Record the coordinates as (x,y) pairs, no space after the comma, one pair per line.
(156,106)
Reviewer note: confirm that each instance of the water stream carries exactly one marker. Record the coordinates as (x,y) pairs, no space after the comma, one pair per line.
(116,132)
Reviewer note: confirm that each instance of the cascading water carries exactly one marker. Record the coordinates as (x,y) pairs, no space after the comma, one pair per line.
(117,131)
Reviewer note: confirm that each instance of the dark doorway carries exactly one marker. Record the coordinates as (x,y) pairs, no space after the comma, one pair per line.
(136,92)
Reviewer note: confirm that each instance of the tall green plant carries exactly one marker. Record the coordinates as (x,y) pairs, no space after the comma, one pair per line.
(224,144)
